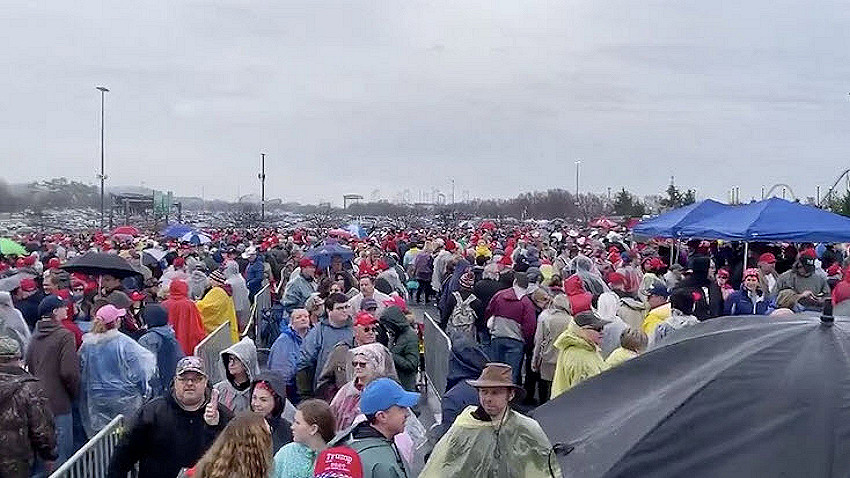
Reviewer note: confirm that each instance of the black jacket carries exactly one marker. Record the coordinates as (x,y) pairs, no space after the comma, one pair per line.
(485,289)
(165,438)
(29,308)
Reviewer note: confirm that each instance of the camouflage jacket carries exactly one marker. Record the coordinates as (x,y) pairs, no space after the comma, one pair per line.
(26,423)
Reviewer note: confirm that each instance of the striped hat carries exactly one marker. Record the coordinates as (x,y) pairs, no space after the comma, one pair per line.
(218,277)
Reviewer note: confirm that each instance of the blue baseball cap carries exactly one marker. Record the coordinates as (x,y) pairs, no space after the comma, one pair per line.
(49,304)
(659,290)
(382,394)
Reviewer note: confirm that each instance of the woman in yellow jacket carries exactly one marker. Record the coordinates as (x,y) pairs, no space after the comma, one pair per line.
(217,307)
(579,357)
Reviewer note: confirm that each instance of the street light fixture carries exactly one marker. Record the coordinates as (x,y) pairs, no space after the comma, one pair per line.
(262,177)
(102,175)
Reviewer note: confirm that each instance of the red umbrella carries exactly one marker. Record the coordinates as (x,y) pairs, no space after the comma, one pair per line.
(603,222)
(125,230)
(489,225)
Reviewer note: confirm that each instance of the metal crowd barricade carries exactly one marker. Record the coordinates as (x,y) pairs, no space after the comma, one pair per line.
(262,302)
(438,348)
(210,351)
(92,460)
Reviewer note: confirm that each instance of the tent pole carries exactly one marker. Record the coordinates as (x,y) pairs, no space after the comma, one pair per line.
(672,247)
(746,254)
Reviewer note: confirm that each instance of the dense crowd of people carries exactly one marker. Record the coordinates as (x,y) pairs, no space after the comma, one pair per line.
(333,387)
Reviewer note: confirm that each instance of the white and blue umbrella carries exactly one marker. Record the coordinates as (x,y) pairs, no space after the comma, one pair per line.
(196,238)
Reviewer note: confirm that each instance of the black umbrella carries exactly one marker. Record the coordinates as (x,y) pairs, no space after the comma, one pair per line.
(99,263)
(730,397)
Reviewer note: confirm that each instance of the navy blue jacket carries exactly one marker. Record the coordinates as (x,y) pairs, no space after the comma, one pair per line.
(740,303)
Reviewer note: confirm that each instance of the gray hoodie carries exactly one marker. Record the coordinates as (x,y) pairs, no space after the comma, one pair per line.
(238,399)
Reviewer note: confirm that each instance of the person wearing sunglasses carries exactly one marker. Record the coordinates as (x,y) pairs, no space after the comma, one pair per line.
(578,356)
(338,368)
(368,362)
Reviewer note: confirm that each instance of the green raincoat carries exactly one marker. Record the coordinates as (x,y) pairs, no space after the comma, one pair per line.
(578,360)
(517,448)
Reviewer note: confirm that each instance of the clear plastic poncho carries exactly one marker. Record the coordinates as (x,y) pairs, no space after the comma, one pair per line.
(115,371)
(516,448)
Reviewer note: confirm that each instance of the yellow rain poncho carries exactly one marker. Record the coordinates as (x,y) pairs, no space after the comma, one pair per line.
(217,308)
(516,449)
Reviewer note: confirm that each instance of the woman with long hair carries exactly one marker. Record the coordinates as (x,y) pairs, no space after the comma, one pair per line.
(312,429)
(244,450)
(268,398)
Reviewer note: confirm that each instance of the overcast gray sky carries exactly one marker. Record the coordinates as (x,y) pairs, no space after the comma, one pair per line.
(353,96)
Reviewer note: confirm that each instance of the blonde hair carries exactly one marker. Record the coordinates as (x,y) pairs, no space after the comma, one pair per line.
(99,327)
(243,449)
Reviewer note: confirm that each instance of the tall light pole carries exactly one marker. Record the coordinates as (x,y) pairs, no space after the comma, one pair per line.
(103,91)
(578,165)
(262,177)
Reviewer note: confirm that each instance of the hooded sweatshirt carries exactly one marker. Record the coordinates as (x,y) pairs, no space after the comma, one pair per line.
(281,428)
(12,322)
(183,315)
(466,362)
(404,347)
(238,398)
(580,299)
(578,360)
(162,342)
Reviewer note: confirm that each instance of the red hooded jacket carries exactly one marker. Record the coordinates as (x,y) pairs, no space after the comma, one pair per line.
(580,299)
(184,316)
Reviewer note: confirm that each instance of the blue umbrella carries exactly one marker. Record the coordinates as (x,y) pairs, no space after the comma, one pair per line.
(322,254)
(176,230)
(356,230)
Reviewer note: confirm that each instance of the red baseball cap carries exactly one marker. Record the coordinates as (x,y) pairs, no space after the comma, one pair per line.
(53,263)
(768,258)
(28,285)
(364,318)
(810,253)
(306,262)
(338,462)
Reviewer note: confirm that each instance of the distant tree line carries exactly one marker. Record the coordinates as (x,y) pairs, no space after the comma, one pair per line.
(549,204)
(52,193)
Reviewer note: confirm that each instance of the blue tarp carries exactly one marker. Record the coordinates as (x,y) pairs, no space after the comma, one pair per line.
(670,223)
(772,219)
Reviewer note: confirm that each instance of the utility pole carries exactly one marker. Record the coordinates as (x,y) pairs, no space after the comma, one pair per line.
(453,191)
(262,177)
(102,176)
(578,165)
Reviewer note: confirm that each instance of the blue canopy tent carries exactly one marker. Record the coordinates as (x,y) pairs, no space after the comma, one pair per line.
(670,223)
(770,220)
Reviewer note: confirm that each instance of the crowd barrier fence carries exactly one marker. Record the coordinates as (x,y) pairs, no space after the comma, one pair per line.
(92,460)
(210,351)
(438,348)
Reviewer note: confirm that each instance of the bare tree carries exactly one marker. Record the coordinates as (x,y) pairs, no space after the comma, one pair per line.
(323,218)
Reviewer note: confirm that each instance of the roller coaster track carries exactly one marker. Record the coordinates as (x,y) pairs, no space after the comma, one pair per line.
(784,187)
(832,188)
